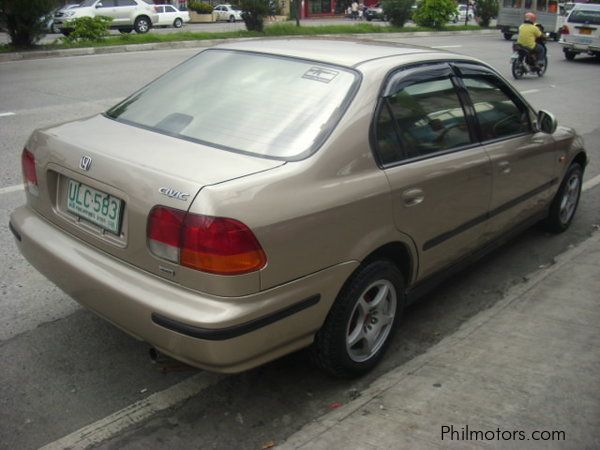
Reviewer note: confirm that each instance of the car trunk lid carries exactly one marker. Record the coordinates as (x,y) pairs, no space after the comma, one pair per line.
(81,163)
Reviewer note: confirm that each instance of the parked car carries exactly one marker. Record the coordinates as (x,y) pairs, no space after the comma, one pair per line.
(227,12)
(581,31)
(126,15)
(461,14)
(168,16)
(375,13)
(266,196)
(48,20)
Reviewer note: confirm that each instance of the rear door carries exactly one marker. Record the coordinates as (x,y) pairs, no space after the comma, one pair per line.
(439,175)
(125,12)
(524,161)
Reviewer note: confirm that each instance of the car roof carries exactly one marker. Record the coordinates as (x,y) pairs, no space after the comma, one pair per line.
(587,6)
(347,52)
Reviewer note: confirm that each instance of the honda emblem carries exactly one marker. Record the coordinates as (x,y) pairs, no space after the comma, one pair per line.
(85,163)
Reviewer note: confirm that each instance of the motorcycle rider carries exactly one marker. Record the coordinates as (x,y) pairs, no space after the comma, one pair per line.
(528,36)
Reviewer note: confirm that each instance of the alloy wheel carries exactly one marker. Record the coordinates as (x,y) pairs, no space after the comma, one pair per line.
(371,320)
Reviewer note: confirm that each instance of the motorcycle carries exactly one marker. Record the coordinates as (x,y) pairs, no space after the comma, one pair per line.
(523,63)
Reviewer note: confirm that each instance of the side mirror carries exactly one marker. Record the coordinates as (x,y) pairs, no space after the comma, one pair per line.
(99,5)
(546,122)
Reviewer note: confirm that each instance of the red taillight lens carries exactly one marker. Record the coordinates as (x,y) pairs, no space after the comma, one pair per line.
(29,174)
(564,30)
(220,245)
(164,231)
(210,244)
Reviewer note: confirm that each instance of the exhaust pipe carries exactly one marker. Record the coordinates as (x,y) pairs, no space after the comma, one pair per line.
(157,357)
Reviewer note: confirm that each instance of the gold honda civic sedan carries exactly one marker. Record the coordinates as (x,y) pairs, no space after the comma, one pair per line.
(266,196)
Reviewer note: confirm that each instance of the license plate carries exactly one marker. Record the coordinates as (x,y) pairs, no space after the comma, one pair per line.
(583,40)
(585,31)
(95,206)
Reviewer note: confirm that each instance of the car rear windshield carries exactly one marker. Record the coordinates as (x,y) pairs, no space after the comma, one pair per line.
(586,16)
(269,106)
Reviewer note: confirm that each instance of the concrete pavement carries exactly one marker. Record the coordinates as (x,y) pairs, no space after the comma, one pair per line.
(522,374)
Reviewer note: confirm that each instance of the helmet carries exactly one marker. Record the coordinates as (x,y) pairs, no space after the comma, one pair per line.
(530,16)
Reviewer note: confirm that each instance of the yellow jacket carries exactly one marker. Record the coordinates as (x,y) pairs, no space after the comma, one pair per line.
(528,33)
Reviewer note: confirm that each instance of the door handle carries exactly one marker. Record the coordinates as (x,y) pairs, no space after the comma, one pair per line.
(413,197)
(504,166)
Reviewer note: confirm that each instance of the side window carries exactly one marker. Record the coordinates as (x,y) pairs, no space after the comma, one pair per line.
(421,119)
(108,3)
(498,114)
(127,3)
(169,9)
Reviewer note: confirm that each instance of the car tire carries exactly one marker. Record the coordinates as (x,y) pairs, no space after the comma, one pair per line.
(125,30)
(569,55)
(507,36)
(231,19)
(142,25)
(178,23)
(66,31)
(361,322)
(563,206)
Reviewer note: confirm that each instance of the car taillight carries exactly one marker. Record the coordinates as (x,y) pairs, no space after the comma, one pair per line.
(564,29)
(164,232)
(210,244)
(29,174)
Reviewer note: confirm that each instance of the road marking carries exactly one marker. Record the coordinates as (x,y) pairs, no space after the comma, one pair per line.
(6,190)
(446,46)
(6,114)
(530,91)
(106,428)
(591,183)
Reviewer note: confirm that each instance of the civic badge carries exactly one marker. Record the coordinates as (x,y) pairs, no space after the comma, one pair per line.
(172,193)
(85,163)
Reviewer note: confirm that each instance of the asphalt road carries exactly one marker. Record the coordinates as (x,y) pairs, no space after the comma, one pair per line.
(64,369)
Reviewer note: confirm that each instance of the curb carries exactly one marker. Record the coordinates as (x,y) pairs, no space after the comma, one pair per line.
(85,51)
(329,420)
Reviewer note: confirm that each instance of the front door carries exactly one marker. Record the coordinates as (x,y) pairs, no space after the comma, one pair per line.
(523,160)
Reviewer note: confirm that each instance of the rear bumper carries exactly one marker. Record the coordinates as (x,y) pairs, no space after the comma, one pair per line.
(591,48)
(222,334)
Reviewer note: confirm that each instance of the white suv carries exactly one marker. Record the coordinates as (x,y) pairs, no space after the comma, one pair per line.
(581,31)
(126,15)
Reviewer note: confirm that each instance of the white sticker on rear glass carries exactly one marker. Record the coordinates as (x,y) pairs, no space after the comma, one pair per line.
(320,74)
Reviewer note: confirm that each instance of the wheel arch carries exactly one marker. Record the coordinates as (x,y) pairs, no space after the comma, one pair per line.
(400,254)
(145,16)
(580,158)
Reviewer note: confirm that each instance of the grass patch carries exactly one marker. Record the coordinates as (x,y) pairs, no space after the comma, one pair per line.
(274,30)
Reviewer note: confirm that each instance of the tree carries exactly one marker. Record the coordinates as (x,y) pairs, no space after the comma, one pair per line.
(398,11)
(486,10)
(435,13)
(253,13)
(24,20)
